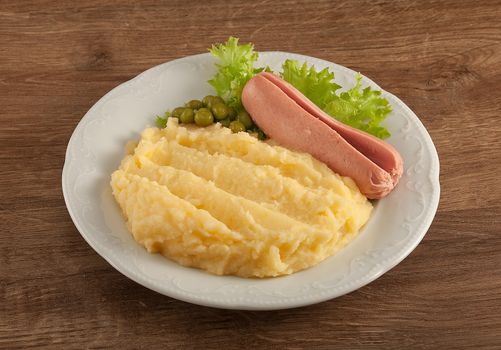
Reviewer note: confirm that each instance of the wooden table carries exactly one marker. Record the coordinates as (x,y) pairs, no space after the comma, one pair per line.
(443,58)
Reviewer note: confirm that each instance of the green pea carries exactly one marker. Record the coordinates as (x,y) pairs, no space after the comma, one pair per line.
(210,101)
(176,113)
(217,100)
(232,114)
(220,111)
(225,122)
(261,135)
(204,117)
(187,116)
(237,126)
(206,100)
(244,118)
(194,104)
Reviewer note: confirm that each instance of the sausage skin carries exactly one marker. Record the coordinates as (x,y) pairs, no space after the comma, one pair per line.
(288,117)
(380,152)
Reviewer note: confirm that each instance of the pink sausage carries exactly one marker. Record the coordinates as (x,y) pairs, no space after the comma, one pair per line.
(291,125)
(380,152)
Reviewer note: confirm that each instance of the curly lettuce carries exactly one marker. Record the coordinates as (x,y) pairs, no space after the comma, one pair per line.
(235,66)
(363,109)
(317,86)
(161,122)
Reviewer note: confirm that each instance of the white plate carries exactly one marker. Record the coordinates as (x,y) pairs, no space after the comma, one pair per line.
(96,147)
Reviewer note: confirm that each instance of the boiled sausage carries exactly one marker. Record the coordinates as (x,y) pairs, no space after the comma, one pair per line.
(289,118)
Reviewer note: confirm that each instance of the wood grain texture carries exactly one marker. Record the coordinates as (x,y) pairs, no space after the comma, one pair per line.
(443,58)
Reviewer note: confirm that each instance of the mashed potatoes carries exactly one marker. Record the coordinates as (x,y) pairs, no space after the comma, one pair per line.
(231,204)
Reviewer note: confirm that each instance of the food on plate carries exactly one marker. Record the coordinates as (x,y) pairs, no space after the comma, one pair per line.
(364,109)
(232,204)
(210,110)
(235,66)
(209,189)
(292,120)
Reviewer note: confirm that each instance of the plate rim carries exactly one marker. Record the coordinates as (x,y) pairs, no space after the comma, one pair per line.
(286,303)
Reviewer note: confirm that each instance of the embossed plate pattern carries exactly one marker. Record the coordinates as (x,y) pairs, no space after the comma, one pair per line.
(96,147)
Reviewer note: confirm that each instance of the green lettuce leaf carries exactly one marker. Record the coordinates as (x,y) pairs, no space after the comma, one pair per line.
(317,86)
(363,109)
(235,66)
(160,122)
